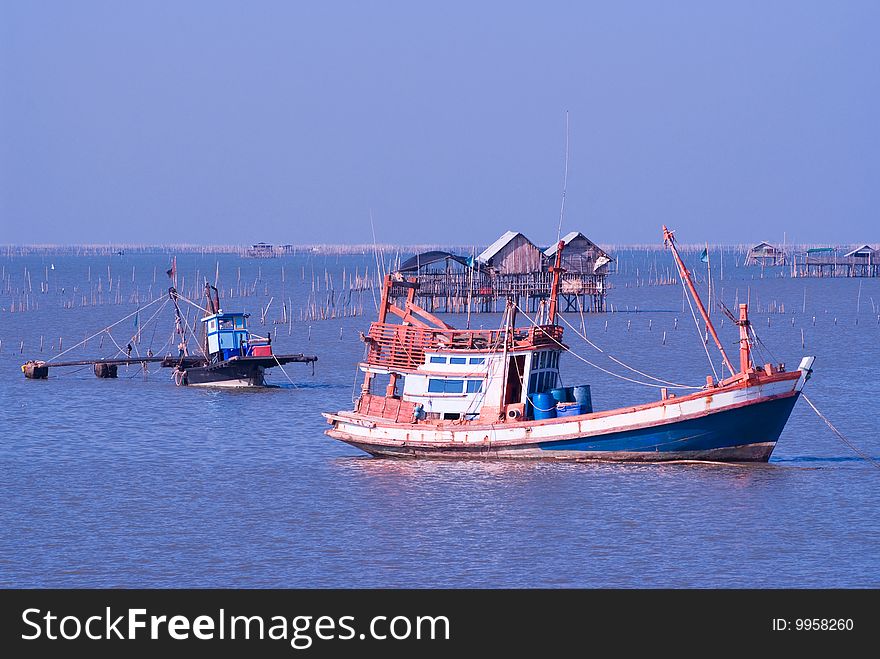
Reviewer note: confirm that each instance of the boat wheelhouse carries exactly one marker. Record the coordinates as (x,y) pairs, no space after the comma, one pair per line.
(228,336)
(459,375)
(232,355)
(455,393)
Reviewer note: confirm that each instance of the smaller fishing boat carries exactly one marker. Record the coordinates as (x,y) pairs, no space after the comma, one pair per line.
(455,393)
(233,356)
(229,354)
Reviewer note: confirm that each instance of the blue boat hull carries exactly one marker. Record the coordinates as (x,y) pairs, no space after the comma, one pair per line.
(742,434)
(748,432)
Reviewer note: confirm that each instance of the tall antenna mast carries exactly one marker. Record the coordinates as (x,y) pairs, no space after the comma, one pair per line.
(564,182)
(557,271)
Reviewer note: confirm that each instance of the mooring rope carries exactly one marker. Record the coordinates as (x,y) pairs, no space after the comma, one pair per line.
(285,372)
(596,366)
(840,436)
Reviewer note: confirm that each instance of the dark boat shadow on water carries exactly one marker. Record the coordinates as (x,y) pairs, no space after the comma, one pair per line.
(306,385)
(816,458)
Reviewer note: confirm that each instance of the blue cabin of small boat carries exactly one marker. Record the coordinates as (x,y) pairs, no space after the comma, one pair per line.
(228,336)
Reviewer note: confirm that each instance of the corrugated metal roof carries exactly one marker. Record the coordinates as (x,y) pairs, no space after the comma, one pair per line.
(567,238)
(864,250)
(498,245)
(414,263)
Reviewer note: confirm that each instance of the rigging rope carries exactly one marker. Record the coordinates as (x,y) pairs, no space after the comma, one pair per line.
(596,366)
(193,333)
(697,325)
(839,434)
(105,329)
(188,301)
(763,345)
(140,327)
(116,344)
(617,361)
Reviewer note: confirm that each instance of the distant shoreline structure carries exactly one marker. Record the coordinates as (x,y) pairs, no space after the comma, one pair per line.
(121,249)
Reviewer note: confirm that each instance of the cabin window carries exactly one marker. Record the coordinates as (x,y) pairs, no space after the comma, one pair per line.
(239,322)
(478,360)
(438,386)
(454,386)
(212,325)
(438,360)
(457,360)
(226,323)
(474,386)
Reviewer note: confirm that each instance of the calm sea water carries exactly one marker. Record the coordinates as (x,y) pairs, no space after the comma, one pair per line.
(135,482)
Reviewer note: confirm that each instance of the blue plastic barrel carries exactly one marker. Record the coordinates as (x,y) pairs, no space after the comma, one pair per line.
(543,406)
(568,409)
(583,396)
(561,394)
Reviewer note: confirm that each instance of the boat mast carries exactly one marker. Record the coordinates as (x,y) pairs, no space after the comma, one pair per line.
(686,276)
(745,359)
(557,271)
(383,316)
(178,321)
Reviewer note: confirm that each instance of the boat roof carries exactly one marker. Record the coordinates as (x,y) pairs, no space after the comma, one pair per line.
(226,314)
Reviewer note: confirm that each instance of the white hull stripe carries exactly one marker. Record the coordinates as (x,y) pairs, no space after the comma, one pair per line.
(379,432)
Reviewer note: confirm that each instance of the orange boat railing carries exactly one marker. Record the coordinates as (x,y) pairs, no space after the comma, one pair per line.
(404,346)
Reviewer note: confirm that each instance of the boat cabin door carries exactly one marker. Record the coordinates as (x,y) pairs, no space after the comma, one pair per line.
(516,368)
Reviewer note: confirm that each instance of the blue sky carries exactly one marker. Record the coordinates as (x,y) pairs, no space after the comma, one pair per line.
(232,122)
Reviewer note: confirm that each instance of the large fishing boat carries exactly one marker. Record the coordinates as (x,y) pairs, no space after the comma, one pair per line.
(455,393)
